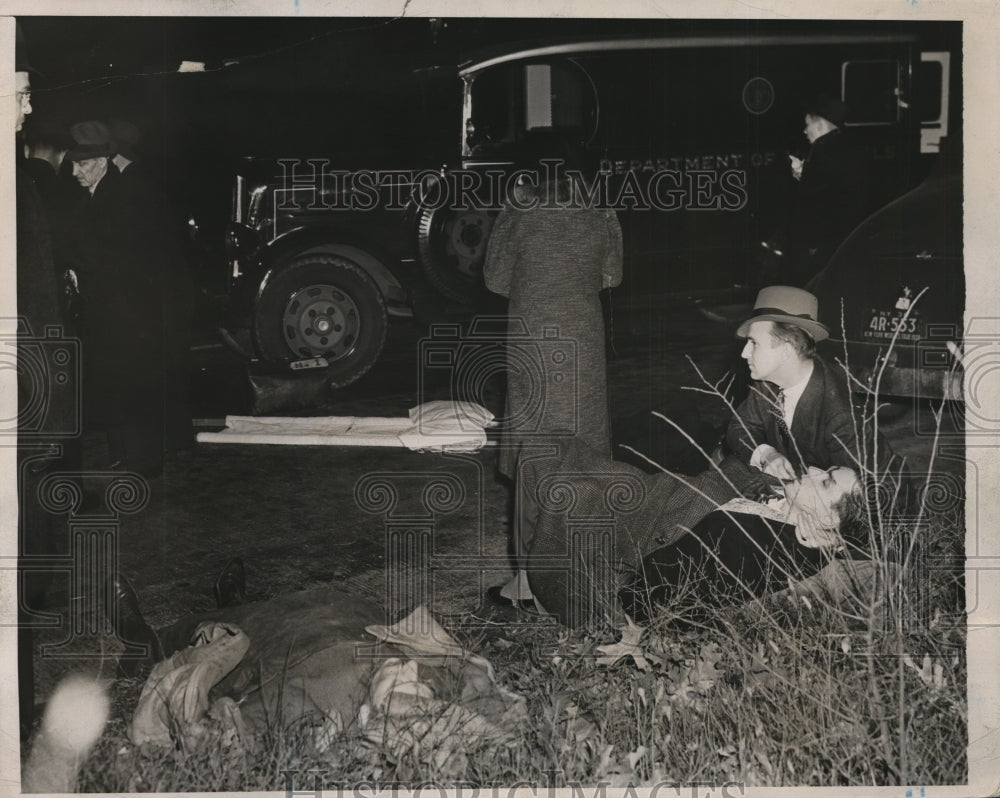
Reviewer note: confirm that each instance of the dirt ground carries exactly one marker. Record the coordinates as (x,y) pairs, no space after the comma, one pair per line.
(303,517)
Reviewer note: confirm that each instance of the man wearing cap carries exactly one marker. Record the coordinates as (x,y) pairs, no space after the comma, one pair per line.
(828,198)
(831,196)
(798,413)
(122,282)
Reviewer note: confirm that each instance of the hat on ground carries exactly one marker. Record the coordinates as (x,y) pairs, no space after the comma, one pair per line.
(90,140)
(830,108)
(126,138)
(789,305)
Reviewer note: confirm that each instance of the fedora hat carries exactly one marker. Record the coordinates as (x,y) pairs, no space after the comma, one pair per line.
(787,304)
(21,63)
(90,140)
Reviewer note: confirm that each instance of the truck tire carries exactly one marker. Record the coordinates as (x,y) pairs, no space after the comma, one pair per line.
(322,306)
(451,247)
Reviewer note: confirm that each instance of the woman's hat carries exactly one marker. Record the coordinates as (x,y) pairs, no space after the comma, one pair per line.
(789,305)
(90,140)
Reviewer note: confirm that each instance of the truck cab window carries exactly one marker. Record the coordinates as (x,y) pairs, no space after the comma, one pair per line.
(871,91)
(536,107)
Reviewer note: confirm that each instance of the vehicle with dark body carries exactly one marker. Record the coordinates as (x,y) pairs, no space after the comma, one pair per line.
(686,134)
(894,292)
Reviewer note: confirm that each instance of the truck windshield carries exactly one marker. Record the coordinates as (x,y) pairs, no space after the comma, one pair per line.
(525,106)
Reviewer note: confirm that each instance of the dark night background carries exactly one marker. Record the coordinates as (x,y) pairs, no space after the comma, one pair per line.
(286,86)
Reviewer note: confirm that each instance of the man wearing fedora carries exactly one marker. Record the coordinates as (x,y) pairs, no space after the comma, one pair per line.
(797,423)
(798,413)
(123,277)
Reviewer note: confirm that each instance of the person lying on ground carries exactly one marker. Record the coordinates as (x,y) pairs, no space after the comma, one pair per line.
(747,549)
(320,657)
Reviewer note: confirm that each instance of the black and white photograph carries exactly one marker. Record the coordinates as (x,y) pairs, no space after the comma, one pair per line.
(478,399)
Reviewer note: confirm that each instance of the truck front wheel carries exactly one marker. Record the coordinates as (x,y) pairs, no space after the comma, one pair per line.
(322,306)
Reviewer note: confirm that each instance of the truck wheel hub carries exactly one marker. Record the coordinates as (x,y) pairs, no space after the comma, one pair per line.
(321,320)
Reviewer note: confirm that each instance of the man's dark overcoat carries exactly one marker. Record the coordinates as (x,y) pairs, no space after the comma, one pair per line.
(831,197)
(127,272)
(823,427)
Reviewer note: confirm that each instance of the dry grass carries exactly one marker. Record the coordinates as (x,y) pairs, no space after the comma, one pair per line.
(784,691)
(778,692)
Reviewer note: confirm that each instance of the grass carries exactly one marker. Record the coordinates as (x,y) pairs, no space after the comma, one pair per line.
(777,692)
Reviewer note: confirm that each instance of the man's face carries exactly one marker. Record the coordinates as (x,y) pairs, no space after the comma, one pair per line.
(763,352)
(88,172)
(813,128)
(817,491)
(22,98)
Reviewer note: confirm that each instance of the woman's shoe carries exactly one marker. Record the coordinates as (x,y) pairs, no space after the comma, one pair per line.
(495,596)
(231,586)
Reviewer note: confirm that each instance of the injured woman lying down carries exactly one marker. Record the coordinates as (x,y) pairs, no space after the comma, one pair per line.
(746,549)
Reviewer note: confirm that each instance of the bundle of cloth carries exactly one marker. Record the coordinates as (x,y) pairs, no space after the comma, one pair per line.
(326,659)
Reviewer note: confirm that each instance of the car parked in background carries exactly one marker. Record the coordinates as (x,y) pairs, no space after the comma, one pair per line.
(685,131)
(893,293)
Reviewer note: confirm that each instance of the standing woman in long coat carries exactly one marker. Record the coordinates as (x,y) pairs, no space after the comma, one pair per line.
(551,256)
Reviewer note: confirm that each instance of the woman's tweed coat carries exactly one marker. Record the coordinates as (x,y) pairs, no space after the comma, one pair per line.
(552,262)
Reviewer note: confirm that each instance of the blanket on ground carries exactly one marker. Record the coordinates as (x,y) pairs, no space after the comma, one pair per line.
(327,659)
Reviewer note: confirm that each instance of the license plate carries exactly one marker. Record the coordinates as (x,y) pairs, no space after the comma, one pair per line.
(309,363)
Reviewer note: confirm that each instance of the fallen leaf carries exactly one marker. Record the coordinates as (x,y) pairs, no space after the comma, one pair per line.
(698,676)
(628,646)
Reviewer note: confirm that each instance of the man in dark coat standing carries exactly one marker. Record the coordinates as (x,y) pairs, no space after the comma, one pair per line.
(47,391)
(124,280)
(45,146)
(828,196)
(167,225)
(831,197)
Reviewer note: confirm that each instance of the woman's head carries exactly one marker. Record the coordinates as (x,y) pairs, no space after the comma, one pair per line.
(823,493)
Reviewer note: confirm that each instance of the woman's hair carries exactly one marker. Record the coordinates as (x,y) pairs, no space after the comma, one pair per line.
(891,494)
(851,509)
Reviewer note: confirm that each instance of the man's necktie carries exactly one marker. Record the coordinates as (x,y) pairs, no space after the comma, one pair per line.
(783,431)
